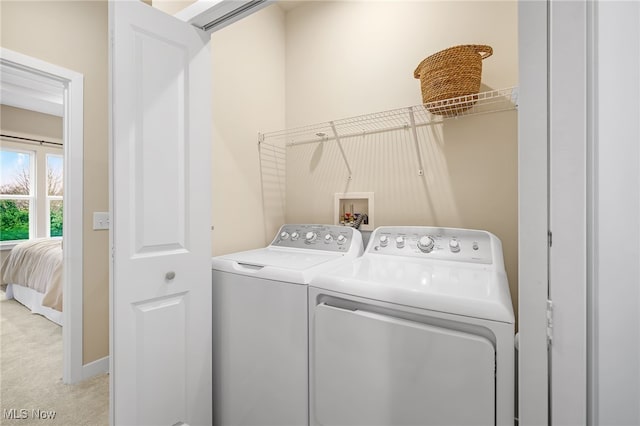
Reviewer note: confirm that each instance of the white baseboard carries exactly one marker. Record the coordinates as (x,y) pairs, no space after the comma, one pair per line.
(99,366)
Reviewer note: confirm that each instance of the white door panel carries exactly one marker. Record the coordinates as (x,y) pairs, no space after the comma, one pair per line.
(161,300)
(160,323)
(160,102)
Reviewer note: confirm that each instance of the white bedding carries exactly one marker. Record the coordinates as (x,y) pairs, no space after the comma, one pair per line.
(37,264)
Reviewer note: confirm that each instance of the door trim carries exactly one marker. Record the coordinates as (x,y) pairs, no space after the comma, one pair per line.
(73,129)
(533,203)
(568,187)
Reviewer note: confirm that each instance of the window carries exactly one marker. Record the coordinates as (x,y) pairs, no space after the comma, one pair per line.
(31,193)
(17,198)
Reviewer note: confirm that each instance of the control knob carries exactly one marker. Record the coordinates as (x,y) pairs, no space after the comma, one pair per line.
(328,238)
(310,237)
(454,246)
(342,239)
(295,236)
(284,235)
(400,242)
(426,244)
(384,240)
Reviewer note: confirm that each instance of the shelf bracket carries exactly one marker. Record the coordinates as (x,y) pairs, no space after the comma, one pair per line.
(344,157)
(414,134)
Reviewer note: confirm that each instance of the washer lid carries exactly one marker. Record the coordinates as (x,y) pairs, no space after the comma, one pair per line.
(297,266)
(297,260)
(473,290)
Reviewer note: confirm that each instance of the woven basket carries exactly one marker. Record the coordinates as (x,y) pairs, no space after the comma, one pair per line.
(452,73)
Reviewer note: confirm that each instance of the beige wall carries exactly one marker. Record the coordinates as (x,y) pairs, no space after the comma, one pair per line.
(248,97)
(74,35)
(350,58)
(21,121)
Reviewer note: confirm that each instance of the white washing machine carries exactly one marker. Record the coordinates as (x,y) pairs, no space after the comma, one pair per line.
(417,331)
(260,340)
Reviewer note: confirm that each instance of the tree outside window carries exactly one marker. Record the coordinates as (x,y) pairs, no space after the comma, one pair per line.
(16,194)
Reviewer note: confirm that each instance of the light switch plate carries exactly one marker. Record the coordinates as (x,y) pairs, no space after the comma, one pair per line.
(100,220)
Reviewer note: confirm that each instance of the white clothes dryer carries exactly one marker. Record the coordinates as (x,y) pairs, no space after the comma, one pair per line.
(417,331)
(260,341)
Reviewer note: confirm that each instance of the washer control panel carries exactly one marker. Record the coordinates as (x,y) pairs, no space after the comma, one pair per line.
(464,245)
(316,237)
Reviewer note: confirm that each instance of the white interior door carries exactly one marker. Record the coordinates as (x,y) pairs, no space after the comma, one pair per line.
(160,213)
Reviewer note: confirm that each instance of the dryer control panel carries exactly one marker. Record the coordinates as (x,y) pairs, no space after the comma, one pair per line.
(331,238)
(426,242)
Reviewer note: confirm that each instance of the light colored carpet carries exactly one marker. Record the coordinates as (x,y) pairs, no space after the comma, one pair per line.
(31,375)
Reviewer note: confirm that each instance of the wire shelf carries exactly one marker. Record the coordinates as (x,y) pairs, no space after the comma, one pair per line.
(414,116)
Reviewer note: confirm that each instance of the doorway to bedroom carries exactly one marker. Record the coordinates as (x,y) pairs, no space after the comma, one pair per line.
(31,199)
(41,185)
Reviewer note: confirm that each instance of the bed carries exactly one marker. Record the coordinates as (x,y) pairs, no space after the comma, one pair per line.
(33,274)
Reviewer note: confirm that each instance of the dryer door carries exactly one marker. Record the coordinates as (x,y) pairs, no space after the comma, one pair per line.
(372,369)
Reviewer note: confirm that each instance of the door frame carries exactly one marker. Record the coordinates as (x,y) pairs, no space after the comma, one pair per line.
(570,100)
(72,227)
(533,216)
(558,380)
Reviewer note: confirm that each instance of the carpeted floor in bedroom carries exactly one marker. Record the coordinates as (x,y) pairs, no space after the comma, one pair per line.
(31,388)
